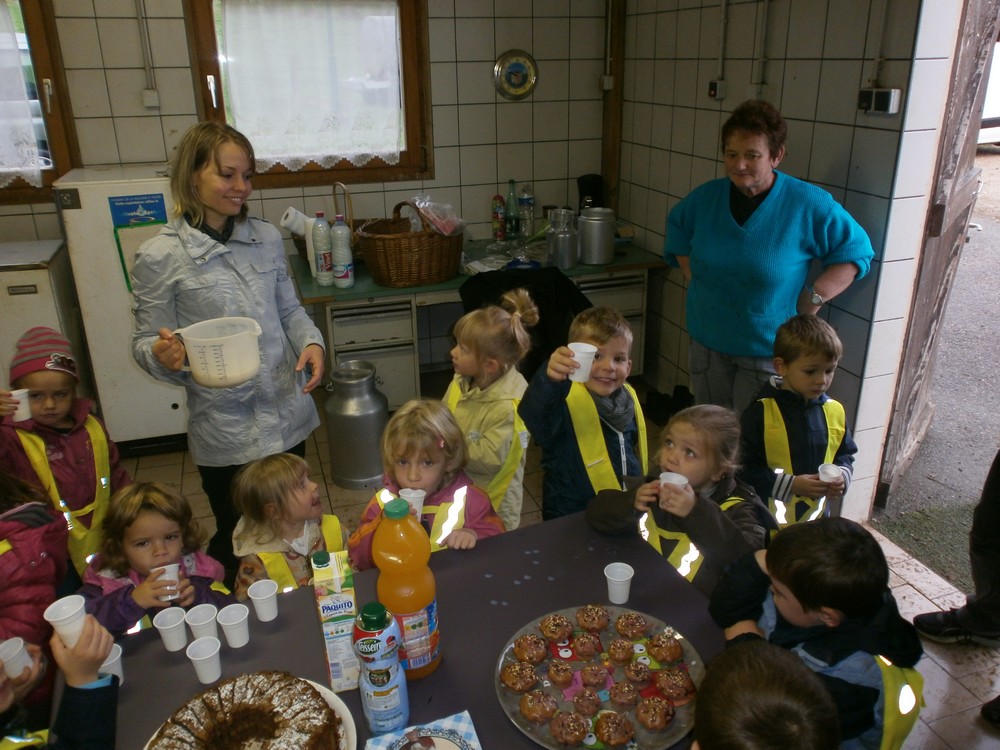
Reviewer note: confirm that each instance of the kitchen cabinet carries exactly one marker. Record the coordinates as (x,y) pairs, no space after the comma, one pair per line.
(379,324)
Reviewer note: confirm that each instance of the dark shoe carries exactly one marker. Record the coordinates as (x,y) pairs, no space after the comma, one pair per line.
(944,627)
(991,712)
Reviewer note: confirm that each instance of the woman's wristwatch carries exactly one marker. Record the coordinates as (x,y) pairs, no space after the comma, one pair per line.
(815,297)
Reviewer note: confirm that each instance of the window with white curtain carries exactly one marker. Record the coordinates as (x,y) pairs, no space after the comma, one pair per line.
(337,88)
(19,146)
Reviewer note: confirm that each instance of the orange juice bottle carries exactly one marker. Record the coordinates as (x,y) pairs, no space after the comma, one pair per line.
(401,550)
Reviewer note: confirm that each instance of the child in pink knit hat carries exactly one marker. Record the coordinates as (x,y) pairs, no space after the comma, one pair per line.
(61,448)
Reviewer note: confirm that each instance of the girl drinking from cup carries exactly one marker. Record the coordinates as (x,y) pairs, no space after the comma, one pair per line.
(702,523)
(283,523)
(423,449)
(149,526)
(484,395)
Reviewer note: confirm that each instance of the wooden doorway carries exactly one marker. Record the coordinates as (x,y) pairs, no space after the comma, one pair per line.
(954,193)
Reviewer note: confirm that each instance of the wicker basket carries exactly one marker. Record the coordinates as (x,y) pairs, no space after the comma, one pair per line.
(396,256)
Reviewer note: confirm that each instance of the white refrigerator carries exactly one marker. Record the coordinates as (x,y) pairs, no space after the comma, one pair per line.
(107,212)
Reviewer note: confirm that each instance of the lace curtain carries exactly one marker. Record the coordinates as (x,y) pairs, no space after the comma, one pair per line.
(18,150)
(313,81)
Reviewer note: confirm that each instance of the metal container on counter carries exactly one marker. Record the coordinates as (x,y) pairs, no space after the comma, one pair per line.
(596,230)
(561,243)
(356,415)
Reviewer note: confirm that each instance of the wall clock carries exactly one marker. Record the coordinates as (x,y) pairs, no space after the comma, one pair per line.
(515,74)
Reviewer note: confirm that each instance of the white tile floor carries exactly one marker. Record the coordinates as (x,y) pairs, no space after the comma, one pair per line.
(958,679)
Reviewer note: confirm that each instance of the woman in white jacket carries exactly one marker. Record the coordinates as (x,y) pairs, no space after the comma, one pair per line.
(212,261)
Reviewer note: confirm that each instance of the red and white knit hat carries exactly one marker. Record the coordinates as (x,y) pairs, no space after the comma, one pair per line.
(42,348)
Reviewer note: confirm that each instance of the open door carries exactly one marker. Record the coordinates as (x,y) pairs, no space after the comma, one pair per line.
(954,195)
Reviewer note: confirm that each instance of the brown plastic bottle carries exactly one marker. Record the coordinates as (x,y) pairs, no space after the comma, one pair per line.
(401,551)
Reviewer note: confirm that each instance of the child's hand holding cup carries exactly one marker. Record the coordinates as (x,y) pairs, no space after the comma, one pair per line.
(171,576)
(584,354)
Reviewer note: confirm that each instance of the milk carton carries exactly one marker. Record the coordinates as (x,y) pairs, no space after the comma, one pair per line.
(333,582)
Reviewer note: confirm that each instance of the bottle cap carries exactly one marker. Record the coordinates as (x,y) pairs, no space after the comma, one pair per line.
(320,214)
(321,558)
(339,217)
(396,508)
(374,616)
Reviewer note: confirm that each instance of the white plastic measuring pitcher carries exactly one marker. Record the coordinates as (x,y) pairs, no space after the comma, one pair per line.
(221,352)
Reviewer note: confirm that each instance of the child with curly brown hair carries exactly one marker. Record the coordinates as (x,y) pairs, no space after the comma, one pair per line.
(148,526)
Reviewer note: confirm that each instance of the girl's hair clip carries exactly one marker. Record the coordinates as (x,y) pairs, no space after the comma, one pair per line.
(441,443)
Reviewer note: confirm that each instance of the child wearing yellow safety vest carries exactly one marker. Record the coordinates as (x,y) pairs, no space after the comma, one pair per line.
(423,449)
(282,523)
(592,434)
(485,392)
(792,427)
(61,448)
(147,527)
(704,523)
(821,590)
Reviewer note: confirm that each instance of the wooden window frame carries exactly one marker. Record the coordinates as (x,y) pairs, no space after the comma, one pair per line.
(64,148)
(416,162)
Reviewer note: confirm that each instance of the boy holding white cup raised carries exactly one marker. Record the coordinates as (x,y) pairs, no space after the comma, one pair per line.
(591,429)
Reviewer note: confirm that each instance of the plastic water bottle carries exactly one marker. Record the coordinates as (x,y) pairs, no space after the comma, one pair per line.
(513,220)
(401,549)
(323,249)
(382,682)
(526,212)
(343,261)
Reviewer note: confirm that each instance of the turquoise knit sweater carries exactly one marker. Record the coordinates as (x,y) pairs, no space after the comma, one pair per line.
(745,281)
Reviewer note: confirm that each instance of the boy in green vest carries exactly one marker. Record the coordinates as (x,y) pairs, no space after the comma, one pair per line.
(592,434)
(792,426)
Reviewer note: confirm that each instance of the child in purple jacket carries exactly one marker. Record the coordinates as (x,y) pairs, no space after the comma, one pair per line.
(147,527)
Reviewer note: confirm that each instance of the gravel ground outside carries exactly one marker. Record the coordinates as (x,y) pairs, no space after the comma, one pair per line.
(928,513)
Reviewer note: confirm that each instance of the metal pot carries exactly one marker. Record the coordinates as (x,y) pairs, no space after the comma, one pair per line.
(596,231)
(356,414)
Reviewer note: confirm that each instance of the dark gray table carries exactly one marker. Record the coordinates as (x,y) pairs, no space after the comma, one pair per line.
(484,597)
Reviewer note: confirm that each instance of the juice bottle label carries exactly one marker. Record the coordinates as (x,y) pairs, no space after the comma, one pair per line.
(382,682)
(421,638)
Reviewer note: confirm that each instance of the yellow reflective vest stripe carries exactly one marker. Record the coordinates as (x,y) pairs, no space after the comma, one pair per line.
(903,691)
(277,566)
(680,551)
(448,516)
(779,456)
(29,739)
(83,542)
(590,437)
(497,487)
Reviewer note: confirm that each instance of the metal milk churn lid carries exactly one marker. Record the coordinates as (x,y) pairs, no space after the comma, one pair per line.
(356,415)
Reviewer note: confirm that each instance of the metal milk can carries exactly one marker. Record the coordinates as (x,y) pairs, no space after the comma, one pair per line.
(356,415)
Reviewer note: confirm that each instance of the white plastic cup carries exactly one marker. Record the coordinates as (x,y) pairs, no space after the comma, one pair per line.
(113,664)
(264,595)
(173,574)
(672,477)
(15,657)
(415,498)
(619,577)
(234,620)
(584,354)
(204,654)
(66,617)
(201,620)
(170,624)
(830,472)
(24,407)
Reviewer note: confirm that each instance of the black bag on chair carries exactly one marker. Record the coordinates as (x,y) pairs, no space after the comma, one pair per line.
(558,300)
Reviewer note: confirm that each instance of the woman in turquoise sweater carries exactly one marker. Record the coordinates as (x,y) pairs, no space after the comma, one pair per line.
(745,244)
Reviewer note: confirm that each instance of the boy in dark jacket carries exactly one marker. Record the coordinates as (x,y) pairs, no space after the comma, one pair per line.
(821,590)
(591,434)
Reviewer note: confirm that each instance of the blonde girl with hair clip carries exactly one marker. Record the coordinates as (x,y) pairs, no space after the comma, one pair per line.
(485,392)
(282,523)
(423,449)
(148,526)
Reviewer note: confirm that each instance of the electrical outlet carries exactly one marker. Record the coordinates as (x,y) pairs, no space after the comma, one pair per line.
(879,101)
(150,98)
(717,89)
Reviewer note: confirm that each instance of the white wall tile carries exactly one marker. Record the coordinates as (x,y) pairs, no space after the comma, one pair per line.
(858,501)
(445,125)
(553,81)
(905,232)
(478,164)
(873,150)
(840,81)
(168,41)
(915,174)
(585,80)
(844,37)
(550,121)
(120,42)
(88,90)
(474,39)
(884,351)
(806,27)
(475,82)
(126,87)
(551,161)
(801,89)
(79,42)
(870,212)
(876,402)
(900,28)
(441,39)
(140,140)
(71,8)
(514,121)
(938,28)
(928,94)
(895,293)
(175,92)
(586,38)
(585,119)
(853,334)
(112,8)
(97,144)
(514,33)
(477,124)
